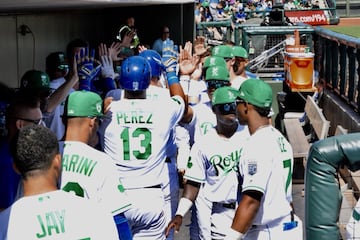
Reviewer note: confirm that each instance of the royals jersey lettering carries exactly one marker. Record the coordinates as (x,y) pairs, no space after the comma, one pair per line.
(214,161)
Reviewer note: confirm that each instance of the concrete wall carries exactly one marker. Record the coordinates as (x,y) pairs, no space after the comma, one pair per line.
(53,30)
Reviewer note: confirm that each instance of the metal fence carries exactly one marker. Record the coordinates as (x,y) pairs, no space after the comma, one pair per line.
(337,58)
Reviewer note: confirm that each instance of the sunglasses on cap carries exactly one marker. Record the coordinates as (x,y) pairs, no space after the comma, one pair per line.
(239,100)
(215,84)
(226,108)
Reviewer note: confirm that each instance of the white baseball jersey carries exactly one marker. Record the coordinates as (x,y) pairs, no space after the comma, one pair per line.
(90,173)
(203,120)
(53,120)
(214,161)
(266,165)
(237,81)
(353,226)
(136,135)
(56,215)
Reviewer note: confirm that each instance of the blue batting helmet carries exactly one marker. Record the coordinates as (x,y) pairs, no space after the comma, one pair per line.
(135,73)
(154,59)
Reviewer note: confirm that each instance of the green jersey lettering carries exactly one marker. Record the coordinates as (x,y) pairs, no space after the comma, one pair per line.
(134,117)
(51,223)
(225,163)
(78,164)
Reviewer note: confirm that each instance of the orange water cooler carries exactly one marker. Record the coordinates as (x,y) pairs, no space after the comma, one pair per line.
(298,65)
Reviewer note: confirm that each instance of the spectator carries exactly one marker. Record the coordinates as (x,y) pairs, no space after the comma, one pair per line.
(128,28)
(158,44)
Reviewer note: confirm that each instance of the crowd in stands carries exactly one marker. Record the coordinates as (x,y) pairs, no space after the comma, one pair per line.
(240,11)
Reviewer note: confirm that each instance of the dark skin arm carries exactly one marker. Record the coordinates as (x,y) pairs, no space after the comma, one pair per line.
(245,213)
(190,192)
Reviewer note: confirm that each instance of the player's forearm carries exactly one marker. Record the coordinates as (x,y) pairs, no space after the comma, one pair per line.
(245,214)
(60,94)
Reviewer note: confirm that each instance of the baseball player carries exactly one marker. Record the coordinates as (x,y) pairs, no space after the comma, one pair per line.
(237,71)
(57,69)
(266,166)
(86,171)
(46,212)
(170,184)
(213,164)
(136,134)
(203,119)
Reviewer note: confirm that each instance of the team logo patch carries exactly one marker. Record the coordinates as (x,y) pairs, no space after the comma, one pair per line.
(252,168)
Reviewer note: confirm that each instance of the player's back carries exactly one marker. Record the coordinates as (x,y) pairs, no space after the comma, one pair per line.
(57,215)
(90,173)
(135,137)
(267,163)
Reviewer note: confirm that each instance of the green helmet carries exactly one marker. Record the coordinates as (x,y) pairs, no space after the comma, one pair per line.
(238,51)
(224,95)
(223,51)
(35,80)
(214,61)
(217,73)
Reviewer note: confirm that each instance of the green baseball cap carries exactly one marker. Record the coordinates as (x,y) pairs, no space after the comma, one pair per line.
(223,51)
(238,51)
(217,73)
(256,92)
(214,61)
(224,95)
(83,104)
(34,80)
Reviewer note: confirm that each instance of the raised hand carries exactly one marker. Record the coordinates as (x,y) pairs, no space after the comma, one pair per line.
(88,68)
(107,68)
(187,62)
(169,56)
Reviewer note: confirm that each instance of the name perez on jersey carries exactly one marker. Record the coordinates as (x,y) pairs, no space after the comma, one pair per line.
(134,117)
(226,163)
(78,164)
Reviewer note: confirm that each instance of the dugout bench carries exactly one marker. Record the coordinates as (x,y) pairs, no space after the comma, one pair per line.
(295,133)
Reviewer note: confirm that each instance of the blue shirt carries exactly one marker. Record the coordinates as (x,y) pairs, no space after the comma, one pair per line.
(9,179)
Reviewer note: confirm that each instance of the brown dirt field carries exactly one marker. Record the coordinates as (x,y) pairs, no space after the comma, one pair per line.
(349,22)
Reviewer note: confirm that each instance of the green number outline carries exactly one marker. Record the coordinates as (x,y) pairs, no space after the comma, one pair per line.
(145,143)
(287,164)
(74,187)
